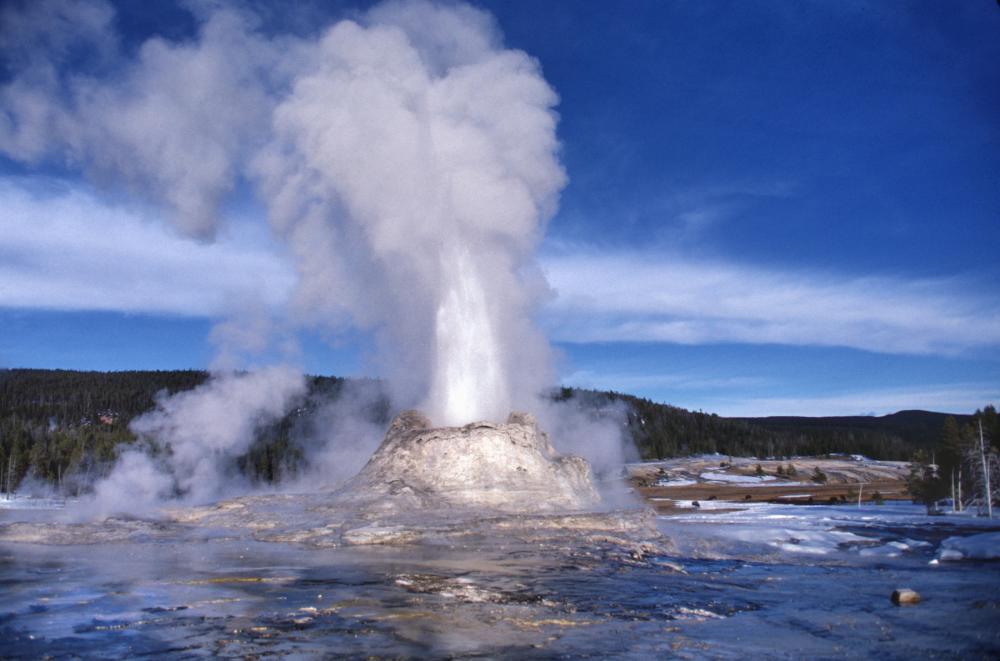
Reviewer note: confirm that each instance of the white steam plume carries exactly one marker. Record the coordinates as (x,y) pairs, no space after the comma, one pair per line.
(204,427)
(408,158)
(341,434)
(410,169)
(196,436)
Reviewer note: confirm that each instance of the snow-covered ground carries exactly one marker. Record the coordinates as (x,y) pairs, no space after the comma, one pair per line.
(983,546)
(743,480)
(756,530)
(675,482)
(741,471)
(822,576)
(17,502)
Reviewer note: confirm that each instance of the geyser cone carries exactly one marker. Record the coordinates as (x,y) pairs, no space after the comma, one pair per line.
(509,467)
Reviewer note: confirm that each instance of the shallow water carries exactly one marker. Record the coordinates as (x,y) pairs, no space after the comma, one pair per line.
(748,592)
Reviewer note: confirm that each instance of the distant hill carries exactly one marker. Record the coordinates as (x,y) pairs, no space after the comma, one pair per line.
(661,430)
(919,428)
(63,426)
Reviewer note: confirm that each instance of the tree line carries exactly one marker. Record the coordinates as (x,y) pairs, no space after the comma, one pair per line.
(962,467)
(65,428)
(660,431)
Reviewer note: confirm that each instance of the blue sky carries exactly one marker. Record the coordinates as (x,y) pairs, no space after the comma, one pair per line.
(772,208)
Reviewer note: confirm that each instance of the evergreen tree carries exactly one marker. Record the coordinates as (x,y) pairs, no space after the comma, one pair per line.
(923,482)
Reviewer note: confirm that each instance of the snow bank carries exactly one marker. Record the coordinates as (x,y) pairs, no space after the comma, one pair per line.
(984,546)
(866,534)
(893,549)
(675,482)
(794,539)
(702,504)
(736,479)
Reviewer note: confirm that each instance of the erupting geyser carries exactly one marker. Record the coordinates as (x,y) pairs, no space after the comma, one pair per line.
(409,161)
(468,369)
(407,158)
(411,168)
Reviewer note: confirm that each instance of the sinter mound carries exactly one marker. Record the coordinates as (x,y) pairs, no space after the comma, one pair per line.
(481,486)
(509,468)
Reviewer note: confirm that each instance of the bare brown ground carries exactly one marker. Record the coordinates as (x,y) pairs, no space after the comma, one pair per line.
(845,478)
(795,494)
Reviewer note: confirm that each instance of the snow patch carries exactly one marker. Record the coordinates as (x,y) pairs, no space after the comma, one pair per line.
(675,482)
(984,546)
(736,479)
(16,502)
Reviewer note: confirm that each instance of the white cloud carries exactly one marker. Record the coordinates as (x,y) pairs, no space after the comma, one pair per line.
(636,383)
(634,297)
(66,249)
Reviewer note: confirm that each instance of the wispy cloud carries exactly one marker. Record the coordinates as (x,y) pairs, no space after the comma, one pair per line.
(636,383)
(62,248)
(632,297)
(697,210)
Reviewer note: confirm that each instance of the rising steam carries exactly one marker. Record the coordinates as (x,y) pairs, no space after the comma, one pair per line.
(410,168)
(194,437)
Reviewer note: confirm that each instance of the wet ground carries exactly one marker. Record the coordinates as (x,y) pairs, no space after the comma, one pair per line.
(765,582)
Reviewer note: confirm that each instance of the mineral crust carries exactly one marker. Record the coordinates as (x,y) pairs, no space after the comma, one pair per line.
(510,468)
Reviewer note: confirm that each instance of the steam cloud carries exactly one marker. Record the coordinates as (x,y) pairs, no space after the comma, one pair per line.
(196,435)
(407,158)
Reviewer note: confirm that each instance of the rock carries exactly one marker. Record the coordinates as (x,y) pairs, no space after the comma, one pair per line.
(380,535)
(905,597)
(509,467)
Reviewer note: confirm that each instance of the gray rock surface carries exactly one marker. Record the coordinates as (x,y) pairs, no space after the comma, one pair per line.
(508,467)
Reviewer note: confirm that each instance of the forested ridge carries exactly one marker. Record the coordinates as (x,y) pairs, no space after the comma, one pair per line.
(65,427)
(662,430)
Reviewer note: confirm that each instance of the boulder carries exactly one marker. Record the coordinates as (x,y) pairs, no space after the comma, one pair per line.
(905,597)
